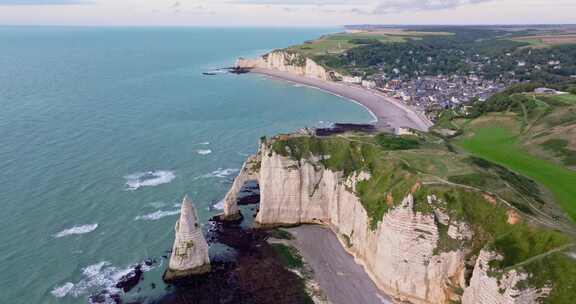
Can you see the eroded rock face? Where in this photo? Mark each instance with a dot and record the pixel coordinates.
(288, 62)
(190, 251)
(491, 290)
(401, 253)
(250, 172)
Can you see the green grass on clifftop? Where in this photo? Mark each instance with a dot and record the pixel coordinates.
(470, 190)
(499, 145)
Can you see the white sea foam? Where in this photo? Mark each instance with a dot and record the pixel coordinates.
(96, 278)
(157, 205)
(63, 290)
(204, 143)
(204, 152)
(157, 215)
(220, 173)
(324, 124)
(76, 230)
(219, 205)
(149, 179)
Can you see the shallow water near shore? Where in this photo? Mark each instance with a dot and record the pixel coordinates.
(103, 130)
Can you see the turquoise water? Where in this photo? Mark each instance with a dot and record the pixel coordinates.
(103, 130)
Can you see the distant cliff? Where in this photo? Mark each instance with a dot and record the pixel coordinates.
(420, 237)
(291, 62)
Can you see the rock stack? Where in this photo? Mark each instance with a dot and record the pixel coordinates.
(190, 251)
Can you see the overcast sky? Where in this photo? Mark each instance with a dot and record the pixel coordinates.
(284, 12)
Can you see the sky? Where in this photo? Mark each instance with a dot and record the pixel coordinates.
(284, 12)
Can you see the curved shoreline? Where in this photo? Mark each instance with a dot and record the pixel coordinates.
(374, 117)
(387, 112)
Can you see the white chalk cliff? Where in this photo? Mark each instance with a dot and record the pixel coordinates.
(288, 62)
(190, 251)
(400, 254)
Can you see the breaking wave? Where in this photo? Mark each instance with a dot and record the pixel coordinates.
(99, 279)
(219, 205)
(157, 205)
(149, 179)
(204, 152)
(76, 230)
(220, 173)
(157, 215)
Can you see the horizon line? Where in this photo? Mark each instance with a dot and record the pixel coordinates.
(288, 26)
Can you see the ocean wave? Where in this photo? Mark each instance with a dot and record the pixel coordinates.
(204, 143)
(99, 279)
(204, 152)
(218, 205)
(221, 173)
(157, 205)
(149, 179)
(324, 124)
(76, 230)
(63, 290)
(157, 215)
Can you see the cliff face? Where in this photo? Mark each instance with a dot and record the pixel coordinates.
(401, 253)
(288, 62)
(486, 289)
(190, 251)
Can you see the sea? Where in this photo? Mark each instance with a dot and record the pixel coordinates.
(103, 130)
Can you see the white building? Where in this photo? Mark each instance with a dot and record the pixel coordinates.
(352, 79)
(368, 84)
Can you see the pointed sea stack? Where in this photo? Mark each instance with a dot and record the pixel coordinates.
(190, 251)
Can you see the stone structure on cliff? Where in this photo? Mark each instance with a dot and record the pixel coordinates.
(400, 253)
(190, 251)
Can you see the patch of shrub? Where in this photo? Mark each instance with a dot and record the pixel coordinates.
(392, 142)
(559, 147)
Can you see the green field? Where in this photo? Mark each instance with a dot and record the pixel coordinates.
(499, 145)
(338, 43)
(341, 42)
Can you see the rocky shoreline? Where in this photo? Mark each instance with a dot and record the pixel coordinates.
(249, 271)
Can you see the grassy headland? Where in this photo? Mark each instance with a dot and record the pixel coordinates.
(469, 189)
(530, 134)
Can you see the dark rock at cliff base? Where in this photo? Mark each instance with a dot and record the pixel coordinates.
(250, 199)
(255, 276)
(239, 70)
(340, 128)
(249, 194)
(130, 280)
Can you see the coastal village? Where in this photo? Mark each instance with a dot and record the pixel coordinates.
(432, 94)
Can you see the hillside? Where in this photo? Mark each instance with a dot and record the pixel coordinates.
(423, 201)
(540, 53)
(532, 134)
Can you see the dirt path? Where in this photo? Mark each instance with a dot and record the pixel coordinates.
(340, 278)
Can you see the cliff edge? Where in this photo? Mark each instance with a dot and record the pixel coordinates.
(291, 62)
(415, 216)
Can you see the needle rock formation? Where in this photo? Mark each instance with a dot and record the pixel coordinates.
(190, 251)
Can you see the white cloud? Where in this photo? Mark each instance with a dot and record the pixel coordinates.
(285, 12)
(374, 6)
(43, 2)
(394, 6)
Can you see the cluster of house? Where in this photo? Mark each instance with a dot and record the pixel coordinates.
(554, 64)
(431, 94)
